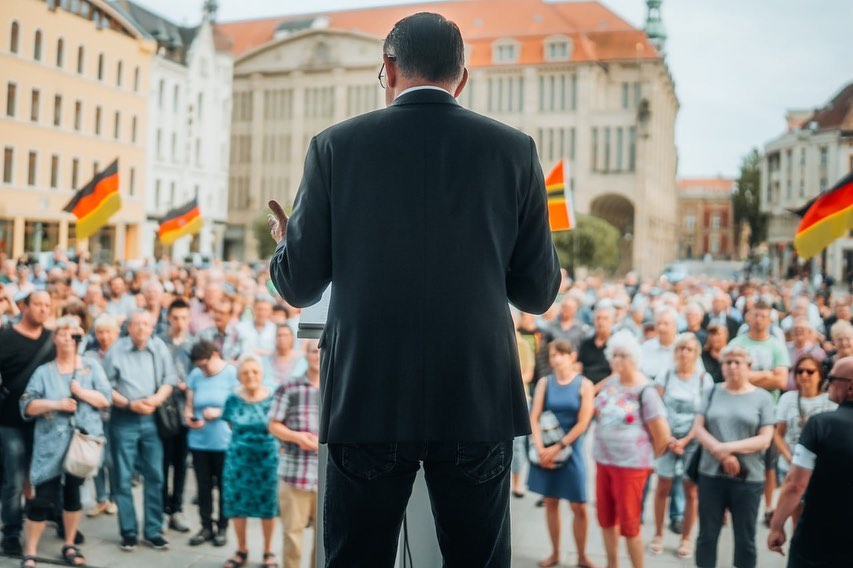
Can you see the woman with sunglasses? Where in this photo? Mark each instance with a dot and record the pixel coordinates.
(794, 410)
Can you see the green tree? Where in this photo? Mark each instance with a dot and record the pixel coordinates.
(747, 197)
(597, 244)
(266, 246)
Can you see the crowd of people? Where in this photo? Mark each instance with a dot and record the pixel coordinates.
(705, 385)
(163, 367)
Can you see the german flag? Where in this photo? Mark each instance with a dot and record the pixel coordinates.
(95, 203)
(179, 222)
(825, 218)
(561, 209)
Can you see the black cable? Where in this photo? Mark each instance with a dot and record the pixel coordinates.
(407, 551)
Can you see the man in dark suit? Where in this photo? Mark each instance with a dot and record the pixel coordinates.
(414, 212)
(720, 306)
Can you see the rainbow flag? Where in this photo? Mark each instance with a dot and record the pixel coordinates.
(179, 222)
(96, 202)
(561, 207)
(825, 218)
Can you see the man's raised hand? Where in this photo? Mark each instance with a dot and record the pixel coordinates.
(277, 221)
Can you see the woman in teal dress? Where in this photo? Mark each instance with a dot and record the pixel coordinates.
(250, 481)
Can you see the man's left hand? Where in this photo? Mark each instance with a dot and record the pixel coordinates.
(776, 540)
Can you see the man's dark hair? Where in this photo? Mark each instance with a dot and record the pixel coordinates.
(427, 46)
(203, 349)
(281, 308)
(177, 304)
(762, 304)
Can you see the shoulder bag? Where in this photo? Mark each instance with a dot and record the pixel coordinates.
(169, 416)
(552, 433)
(85, 452)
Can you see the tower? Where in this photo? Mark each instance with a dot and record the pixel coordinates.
(654, 25)
(211, 7)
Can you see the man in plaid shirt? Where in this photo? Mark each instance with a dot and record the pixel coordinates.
(294, 421)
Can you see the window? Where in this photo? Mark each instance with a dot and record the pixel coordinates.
(824, 156)
(117, 125)
(637, 94)
(136, 79)
(625, 95)
(54, 171)
(118, 74)
(505, 51)
(160, 89)
(100, 67)
(802, 189)
(94, 168)
(31, 169)
(80, 60)
(13, 37)
(37, 46)
(715, 221)
(574, 92)
(78, 115)
(619, 149)
(594, 149)
(174, 147)
(132, 186)
(60, 52)
(159, 147)
(34, 106)
(201, 102)
(75, 172)
(8, 163)
(802, 157)
(558, 49)
(172, 194)
(57, 110)
(97, 120)
(572, 143)
(690, 222)
(632, 148)
(175, 98)
(11, 92)
(157, 194)
(715, 244)
(607, 149)
(789, 191)
(133, 130)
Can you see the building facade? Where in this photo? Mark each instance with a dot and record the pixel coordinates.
(706, 214)
(74, 77)
(586, 85)
(813, 154)
(189, 118)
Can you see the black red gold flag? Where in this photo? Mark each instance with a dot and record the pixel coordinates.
(96, 202)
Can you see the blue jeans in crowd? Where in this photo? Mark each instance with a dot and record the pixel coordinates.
(368, 487)
(102, 495)
(135, 445)
(742, 498)
(16, 447)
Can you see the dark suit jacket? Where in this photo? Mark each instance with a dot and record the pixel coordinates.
(427, 219)
(732, 325)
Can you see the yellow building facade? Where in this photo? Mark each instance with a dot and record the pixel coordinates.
(74, 82)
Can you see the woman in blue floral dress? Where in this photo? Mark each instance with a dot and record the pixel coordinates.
(250, 482)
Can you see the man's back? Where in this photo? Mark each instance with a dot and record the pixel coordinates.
(415, 212)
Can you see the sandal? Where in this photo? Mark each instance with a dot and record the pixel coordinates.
(656, 545)
(72, 556)
(239, 559)
(28, 562)
(685, 549)
(269, 561)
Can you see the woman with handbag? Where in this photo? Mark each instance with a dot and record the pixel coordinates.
(734, 429)
(64, 397)
(630, 431)
(561, 412)
(681, 388)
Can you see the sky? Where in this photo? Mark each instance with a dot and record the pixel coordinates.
(738, 65)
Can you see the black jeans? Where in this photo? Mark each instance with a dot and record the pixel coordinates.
(175, 452)
(208, 474)
(742, 498)
(48, 494)
(368, 488)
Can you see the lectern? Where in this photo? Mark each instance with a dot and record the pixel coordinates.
(422, 542)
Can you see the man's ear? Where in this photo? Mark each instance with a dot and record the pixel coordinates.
(462, 83)
(390, 72)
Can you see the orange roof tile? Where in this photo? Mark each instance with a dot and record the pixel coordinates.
(706, 185)
(597, 33)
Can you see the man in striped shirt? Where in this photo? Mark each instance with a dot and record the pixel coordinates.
(293, 419)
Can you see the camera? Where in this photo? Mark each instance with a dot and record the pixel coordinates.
(77, 337)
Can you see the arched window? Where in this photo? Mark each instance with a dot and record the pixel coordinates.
(100, 66)
(37, 46)
(13, 38)
(80, 59)
(60, 52)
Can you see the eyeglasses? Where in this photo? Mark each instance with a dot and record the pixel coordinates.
(381, 76)
(733, 363)
(808, 372)
(684, 348)
(832, 378)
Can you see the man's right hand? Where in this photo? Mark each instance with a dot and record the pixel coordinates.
(277, 221)
(66, 405)
(142, 407)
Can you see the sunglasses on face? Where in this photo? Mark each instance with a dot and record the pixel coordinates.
(832, 378)
(808, 372)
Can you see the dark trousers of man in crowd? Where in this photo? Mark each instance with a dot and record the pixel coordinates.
(369, 485)
(742, 498)
(175, 452)
(208, 471)
(16, 448)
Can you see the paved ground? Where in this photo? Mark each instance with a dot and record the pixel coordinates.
(530, 544)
